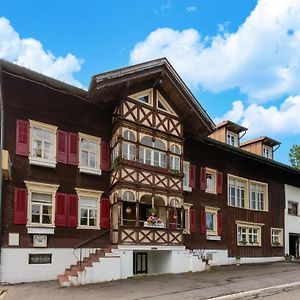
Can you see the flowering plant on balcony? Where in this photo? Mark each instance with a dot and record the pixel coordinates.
(152, 219)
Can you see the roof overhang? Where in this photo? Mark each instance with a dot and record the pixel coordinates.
(264, 140)
(109, 87)
(231, 126)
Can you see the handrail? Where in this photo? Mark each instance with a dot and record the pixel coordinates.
(91, 239)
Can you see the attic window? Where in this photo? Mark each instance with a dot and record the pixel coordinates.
(144, 99)
(232, 139)
(161, 106)
(267, 152)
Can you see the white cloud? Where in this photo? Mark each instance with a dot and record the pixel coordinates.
(262, 58)
(163, 9)
(30, 53)
(266, 120)
(191, 9)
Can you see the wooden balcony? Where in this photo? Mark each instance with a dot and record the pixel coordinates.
(139, 235)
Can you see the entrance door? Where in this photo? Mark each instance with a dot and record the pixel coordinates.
(294, 245)
(140, 263)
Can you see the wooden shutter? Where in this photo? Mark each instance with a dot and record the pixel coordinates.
(61, 210)
(192, 176)
(105, 157)
(73, 149)
(20, 206)
(219, 182)
(203, 179)
(72, 211)
(193, 224)
(104, 213)
(22, 138)
(62, 147)
(220, 223)
(203, 221)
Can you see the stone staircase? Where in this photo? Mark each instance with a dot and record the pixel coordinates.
(101, 265)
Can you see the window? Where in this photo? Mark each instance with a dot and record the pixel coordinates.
(88, 208)
(175, 159)
(144, 96)
(277, 237)
(88, 211)
(42, 144)
(267, 152)
(232, 139)
(41, 203)
(292, 208)
(128, 145)
(152, 156)
(186, 176)
(186, 218)
(89, 154)
(237, 188)
(211, 220)
(128, 196)
(210, 181)
(162, 104)
(249, 235)
(258, 194)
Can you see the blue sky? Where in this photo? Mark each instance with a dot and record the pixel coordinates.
(240, 58)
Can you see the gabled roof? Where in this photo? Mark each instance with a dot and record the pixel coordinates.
(232, 126)
(263, 139)
(107, 87)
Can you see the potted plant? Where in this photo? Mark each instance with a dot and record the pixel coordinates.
(237, 260)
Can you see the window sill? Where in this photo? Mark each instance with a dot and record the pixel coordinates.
(90, 171)
(40, 229)
(211, 192)
(43, 163)
(213, 237)
(249, 245)
(277, 246)
(187, 189)
(87, 227)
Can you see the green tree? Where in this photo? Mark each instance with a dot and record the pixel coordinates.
(295, 156)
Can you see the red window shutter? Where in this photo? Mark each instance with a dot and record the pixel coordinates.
(72, 211)
(104, 213)
(219, 182)
(22, 138)
(220, 223)
(192, 176)
(203, 179)
(62, 146)
(73, 149)
(203, 221)
(193, 225)
(104, 159)
(20, 206)
(61, 210)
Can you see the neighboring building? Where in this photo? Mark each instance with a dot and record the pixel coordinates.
(292, 220)
(125, 173)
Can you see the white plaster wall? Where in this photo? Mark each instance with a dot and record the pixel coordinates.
(15, 268)
(220, 257)
(126, 263)
(159, 262)
(253, 260)
(181, 261)
(292, 223)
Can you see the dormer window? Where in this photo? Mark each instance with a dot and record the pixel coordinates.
(145, 99)
(232, 139)
(267, 152)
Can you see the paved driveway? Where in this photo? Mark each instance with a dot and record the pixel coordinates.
(216, 282)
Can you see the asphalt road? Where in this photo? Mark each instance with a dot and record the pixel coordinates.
(218, 282)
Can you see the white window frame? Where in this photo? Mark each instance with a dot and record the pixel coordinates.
(214, 212)
(233, 135)
(187, 224)
(186, 165)
(165, 104)
(174, 160)
(270, 151)
(293, 202)
(237, 191)
(142, 153)
(148, 92)
(279, 235)
(249, 226)
(87, 169)
(213, 173)
(91, 194)
(39, 161)
(264, 187)
(41, 188)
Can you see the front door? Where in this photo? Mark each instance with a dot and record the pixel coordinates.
(294, 245)
(140, 263)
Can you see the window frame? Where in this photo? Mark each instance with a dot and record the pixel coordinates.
(97, 141)
(212, 172)
(40, 188)
(214, 211)
(266, 195)
(186, 222)
(280, 237)
(91, 194)
(148, 92)
(186, 164)
(246, 196)
(51, 163)
(248, 227)
(265, 147)
(235, 136)
(293, 203)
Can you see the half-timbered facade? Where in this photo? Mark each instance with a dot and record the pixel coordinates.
(123, 179)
